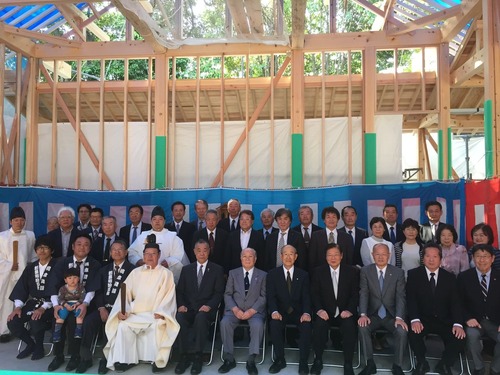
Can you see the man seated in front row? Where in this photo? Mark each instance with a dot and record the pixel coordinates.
(147, 329)
(289, 302)
(434, 307)
(245, 300)
(382, 305)
(479, 289)
(199, 292)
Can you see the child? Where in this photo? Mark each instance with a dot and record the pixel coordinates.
(70, 296)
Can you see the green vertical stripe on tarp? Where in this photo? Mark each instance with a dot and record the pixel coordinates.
(450, 164)
(370, 158)
(488, 137)
(440, 155)
(297, 160)
(160, 162)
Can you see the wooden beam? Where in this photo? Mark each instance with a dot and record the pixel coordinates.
(254, 14)
(238, 15)
(471, 68)
(427, 20)
(377, 11)
(17, 43)
(298, 23)
(47, 38)
(251, 123)
(92, 27)
(69, 15)
(429, 120)
(470, 9)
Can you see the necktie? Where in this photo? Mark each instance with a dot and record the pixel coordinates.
(281, 243)
(247, 283)
(330, 238)
(393, 236)
(200, 275)
(134, 235)
(289, 282)
(116, 273)
(307, 238)
(96, 233)
(211, 241)
(352, 237)
(177, 227)
(200, 225)
(79, 267)
(335, 291)
(381, 311)
(266, 233)
(433, 282)
(233, 224)
(106, 249)
(484, 287)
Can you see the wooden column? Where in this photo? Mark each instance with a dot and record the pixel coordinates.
(368, 116)
(161, 121)
(444, 139)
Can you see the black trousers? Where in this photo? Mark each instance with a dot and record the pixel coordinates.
(348, 332)
(277, 328)
(199, 322)
(37, 327)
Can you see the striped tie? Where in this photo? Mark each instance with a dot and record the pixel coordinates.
(484, 287)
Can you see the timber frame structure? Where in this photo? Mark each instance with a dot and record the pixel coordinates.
(464, 36)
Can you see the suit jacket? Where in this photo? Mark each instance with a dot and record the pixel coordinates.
(359, 235)
(226, 224)
(186, 232)
(90, 231)
(426, 232)
(313, 228)
(97, 250)
(318, 244)
(196, 224)
(56, 237)
(272, 230)
(295, 239)
(323, 297)
(125, 231)
(233, 249)
(398, 231)
(472, 298)
(103, 296)
(209, 293)
(443, 305)
(392, 295)
(218, 252)
(278, 298)
(235, 291)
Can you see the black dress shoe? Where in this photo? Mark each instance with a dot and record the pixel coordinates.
(348, 370)
(197, 365)
(157, 370)
(277, 366)
(397, 370)
(421, 368)
(26, 352)
(303, 368)
(103, 368)
(122, 367)
(56, 363)
(38, 353)
(182, 366)
(83, 366)
(5, 338)
(443, 368)
(73, 363)
(251, 368)
(227, 366)
(317, 367)
(370, 368)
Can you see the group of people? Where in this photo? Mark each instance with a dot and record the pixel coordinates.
(159, 284)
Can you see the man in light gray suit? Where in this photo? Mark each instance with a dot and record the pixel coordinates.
(245, 300)
(382, 305)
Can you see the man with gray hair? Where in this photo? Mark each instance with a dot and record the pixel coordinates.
(101, 247)
(245, 301)
(267, 220)
(64, 236)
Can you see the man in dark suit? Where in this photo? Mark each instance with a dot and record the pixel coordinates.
(349, 217)
(240, 239)
(89, 269)
(267, 220)
(131, 231)
(244, 300)
(289, 302)
(231, 222)
(199, 293)
(382, 305)
(183, 229)
(306, 226)
(433, 210)
(83, 211)
(434, 307)
(201, 208)
(217, 239)
(63, 237)
(479, 290)
(109, 279)
(320, 239)
(284, 236)
(94, 229)
(101, 247)
(335, 303)
(394, 232)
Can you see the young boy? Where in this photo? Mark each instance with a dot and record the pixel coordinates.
(70, 296)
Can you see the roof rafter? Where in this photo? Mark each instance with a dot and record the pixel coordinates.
(427, 20)
(470, 9)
